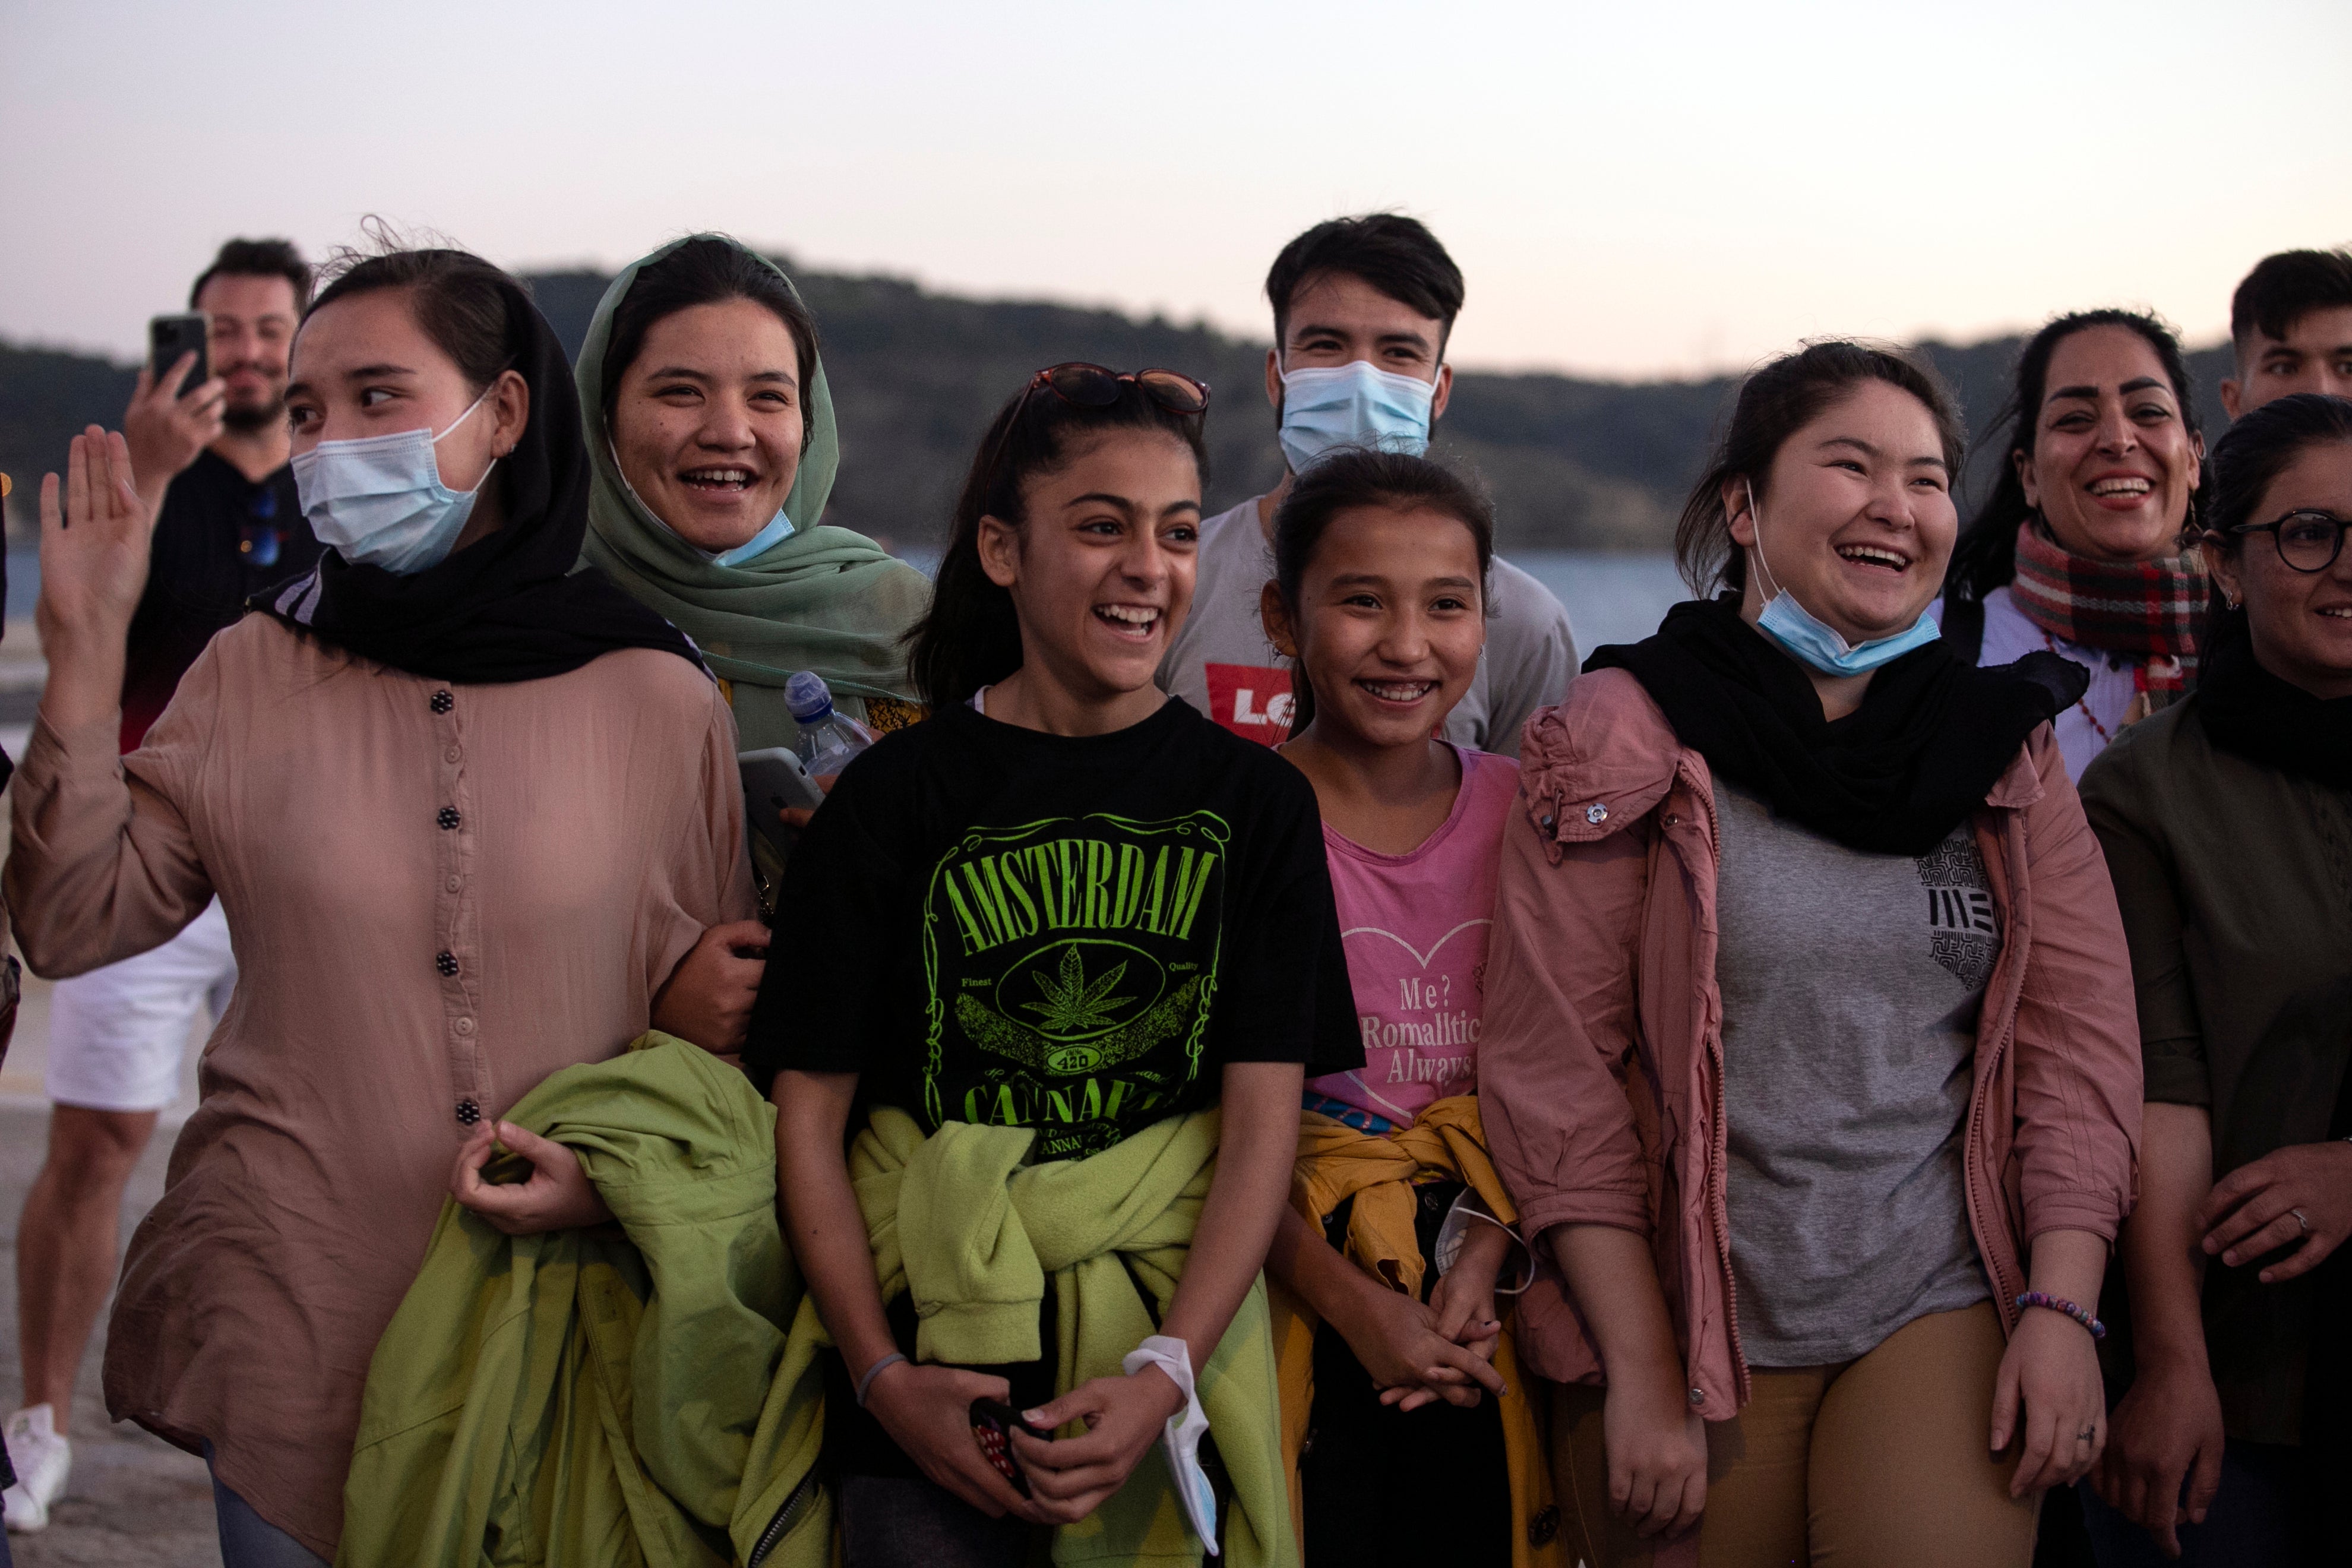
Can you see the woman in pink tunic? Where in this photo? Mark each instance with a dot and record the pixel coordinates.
(466, 811)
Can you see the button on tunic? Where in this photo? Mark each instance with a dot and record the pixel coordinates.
(437, 898)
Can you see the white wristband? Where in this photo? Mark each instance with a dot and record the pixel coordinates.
(1179, 1441)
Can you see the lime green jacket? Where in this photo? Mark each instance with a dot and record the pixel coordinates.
(588, 1397)
(960, 1222)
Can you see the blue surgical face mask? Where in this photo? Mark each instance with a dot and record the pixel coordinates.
(779, 528)
(379, 501)
(1804, 634)
(1354, 405)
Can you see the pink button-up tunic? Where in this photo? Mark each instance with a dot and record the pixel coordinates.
(438, 896)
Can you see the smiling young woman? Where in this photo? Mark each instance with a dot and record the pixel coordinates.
(1057, 943)
(711, 428)
(2084, 547)
(2224, 820)
(465, 807)
(1819, 1305)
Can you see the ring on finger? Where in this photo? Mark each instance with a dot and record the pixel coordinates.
(2301, 1219)
(2087, 1434)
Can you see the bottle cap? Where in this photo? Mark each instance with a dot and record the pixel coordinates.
(808, 697)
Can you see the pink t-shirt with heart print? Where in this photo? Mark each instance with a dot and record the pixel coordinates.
(1415, 928)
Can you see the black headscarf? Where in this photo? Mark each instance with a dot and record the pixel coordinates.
(2253, 714)
(507, 606)
(1932, 737)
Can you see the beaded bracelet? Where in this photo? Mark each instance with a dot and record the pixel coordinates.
(2060, 1304)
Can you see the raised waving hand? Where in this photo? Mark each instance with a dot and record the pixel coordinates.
(95, 531)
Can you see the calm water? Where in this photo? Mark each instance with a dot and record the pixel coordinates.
(1609, 599)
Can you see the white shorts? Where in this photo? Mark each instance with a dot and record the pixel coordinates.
(116, 1034)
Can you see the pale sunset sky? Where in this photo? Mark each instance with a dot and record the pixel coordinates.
(1631, 190)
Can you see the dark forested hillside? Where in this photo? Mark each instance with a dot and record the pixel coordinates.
(1573, 463)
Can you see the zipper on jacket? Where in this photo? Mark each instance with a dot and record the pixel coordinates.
(2005, 1291)
(1719, 1142)
(795, 1505)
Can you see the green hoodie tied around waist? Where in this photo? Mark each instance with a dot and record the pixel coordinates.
(589, 1398)
(960, 1222)
(826, 599)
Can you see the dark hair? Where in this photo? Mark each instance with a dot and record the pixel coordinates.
(2284, 289)
(705, 270)
(1357, 477)
(1774, 404)
(971, 636)
(2258, 446)
(1394, 254)
(477, 315)
(258, 258)
(460, 301)
(1986, 556)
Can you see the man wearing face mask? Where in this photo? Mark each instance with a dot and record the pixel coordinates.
(212, 459)
(1362, 308)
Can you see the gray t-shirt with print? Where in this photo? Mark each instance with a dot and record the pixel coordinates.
(1851, 984)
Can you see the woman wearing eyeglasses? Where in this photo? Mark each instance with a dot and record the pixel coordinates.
(2082, 549)
(1060, 958)
(711, 430)
(2227, 821)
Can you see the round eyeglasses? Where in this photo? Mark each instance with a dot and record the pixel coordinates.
(2308, 540)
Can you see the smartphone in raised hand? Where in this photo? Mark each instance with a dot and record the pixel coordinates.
(169, 337)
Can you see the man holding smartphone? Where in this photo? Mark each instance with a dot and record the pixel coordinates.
(211, 461)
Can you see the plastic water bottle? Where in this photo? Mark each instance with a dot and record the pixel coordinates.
(827, 740)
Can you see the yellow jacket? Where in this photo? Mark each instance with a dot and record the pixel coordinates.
(1336, 1162)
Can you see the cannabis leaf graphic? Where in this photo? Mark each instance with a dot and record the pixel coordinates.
(1072, 1006)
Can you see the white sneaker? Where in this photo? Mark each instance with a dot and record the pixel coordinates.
(42, 1459)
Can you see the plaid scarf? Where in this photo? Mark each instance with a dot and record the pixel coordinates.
(2147, 607)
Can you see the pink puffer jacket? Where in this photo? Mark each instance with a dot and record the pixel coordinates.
(1600, 1069)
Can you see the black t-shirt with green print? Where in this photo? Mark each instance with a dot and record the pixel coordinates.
(993, 924)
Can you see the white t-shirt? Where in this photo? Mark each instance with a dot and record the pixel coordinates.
(1222, 664)
(2083, 730)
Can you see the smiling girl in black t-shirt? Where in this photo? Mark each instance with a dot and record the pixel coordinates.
(1068, 904)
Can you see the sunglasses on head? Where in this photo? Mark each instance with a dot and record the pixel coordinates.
(1084, 386)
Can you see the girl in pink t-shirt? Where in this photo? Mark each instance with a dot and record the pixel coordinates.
(1387, 1268)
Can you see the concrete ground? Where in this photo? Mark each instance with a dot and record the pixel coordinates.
(133, 1500)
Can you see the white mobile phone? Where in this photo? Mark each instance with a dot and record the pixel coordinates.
(773, 779)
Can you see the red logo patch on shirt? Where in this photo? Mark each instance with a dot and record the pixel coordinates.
(1250, 700)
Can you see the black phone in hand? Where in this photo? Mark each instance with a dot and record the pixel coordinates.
(992, 1425)
(169, 337)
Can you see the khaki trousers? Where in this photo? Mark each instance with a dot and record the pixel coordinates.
(1878, 1462)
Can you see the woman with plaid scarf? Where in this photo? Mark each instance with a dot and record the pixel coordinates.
(2081, 548)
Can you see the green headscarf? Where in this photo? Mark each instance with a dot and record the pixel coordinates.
(824, 599)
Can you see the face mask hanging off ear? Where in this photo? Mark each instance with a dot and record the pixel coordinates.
(779, 528)
(1814, 642)
(378, 501)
